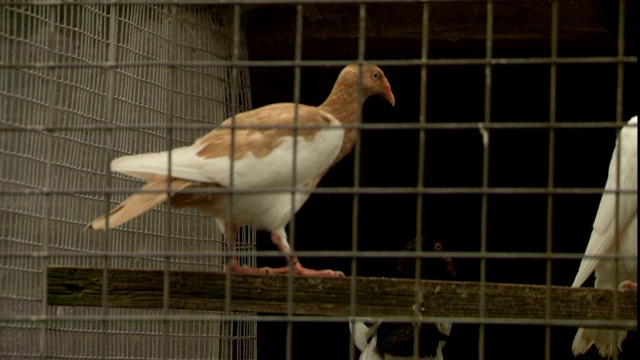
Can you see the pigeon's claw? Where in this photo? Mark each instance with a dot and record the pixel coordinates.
(628, 285)
(237, 269)
(299, 270)
(325, 273)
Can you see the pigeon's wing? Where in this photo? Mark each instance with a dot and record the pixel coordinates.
(603, 235)
(616, 220)
(259, 150)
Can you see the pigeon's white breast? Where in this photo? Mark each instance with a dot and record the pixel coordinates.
(265, 211)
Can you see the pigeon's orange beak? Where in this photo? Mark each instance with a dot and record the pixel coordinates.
(388, 94)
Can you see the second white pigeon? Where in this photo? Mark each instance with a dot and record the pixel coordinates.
(615, 230)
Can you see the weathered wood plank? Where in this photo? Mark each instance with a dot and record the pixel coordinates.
(334, 28)
(376, 297)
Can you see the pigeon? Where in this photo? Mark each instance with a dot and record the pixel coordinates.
(251, 151)
(379, 340)
(604, 239)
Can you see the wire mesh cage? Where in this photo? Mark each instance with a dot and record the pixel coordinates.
(495, 155)
(55, 138)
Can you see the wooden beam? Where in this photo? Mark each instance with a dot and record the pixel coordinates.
(453, 26)
(376, 297)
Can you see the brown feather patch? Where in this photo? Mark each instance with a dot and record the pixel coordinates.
(197, 199)
(261, 141)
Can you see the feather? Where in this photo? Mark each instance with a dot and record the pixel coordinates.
(615, 231)
(150, 195)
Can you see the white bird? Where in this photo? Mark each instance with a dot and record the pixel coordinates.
(257, 154)
(380, 340)
(615, 231)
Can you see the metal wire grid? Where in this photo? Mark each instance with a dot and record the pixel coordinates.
(485, 128)
(126, 98)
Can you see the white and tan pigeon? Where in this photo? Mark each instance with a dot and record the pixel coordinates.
(259, 156)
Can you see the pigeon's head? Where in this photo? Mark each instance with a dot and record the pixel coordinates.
(437, 246)
(373, 81)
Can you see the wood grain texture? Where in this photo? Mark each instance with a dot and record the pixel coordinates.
(376, 297)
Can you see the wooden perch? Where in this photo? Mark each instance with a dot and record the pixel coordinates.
(376, 297)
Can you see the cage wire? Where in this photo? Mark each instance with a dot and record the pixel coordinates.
(137, 102)
(65, 120)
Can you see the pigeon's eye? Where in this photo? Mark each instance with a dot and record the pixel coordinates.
(375, 75)
(437, 246)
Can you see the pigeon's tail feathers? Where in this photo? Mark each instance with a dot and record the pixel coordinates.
(151, 195)
(371, 352)
(444, 328)
(184, 161)
(365, 338)
(608, 342)
(598, 245)
(439, 351)
(359, 332)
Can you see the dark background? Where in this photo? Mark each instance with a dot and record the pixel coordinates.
(518, 158)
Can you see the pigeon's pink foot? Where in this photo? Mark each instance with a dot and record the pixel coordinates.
(237, 269)
(299, 270)
(303, 271)
(628, 285)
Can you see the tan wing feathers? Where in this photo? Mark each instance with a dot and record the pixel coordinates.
(197, 199)
(261, 140)
(138, 203)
